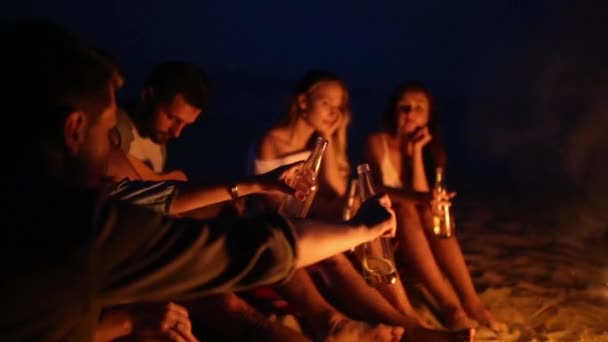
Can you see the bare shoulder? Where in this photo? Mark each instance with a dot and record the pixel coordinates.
(269, 146)
(373, 143)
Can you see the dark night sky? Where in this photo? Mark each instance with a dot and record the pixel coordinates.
(373, 44)
(519, 83)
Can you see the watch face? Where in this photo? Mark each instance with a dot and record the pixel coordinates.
(234, 192)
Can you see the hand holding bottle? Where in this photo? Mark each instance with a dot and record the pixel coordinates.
(443, 222)
(297, 206)
(376, 255)
(376, 214)
(443, 197)
(291, 179)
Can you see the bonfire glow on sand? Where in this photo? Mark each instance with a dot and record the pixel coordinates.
(545, 286)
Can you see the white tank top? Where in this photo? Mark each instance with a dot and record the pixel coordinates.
(390, 177)
(263, 166)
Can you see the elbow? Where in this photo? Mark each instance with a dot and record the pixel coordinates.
(175, 207)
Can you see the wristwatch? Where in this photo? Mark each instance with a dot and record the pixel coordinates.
(234, 192)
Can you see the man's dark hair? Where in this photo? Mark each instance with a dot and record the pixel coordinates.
(49, 73)
(178, 77)
(119, 75)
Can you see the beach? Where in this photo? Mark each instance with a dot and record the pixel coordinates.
(545, 283)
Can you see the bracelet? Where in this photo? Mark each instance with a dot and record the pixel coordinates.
(234, 192)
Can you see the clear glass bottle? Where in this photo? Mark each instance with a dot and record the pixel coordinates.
(352, 200)
(443, 222)
(376, 255)
(293, 207)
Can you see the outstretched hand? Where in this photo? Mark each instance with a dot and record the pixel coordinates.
(290, 179)
(376, 213)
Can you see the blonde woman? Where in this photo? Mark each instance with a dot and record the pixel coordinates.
(319, 107)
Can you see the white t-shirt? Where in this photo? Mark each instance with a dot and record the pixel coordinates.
(152, 154)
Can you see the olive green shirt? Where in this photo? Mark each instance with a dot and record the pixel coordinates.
(74, 256)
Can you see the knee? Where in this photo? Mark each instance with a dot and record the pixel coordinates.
(412, 216)
(336, 262)
(406, 210)
(231, 302)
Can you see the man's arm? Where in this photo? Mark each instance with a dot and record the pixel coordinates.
(139, 255)
(174, 198)
(154, 195)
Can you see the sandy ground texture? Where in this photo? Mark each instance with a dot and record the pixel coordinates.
(545, 283)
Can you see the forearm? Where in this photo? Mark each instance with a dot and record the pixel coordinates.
(193, 197)
(400, 195)
(318, 240)
(419, 181)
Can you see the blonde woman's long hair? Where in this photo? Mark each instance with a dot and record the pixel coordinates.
(306, 85)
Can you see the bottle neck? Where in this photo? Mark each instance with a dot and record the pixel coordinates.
(366, 185)
(352, 192)
(313, 162)
(439, 178)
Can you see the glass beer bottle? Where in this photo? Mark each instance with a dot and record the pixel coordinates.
(443, 222)
(293, 207)
(352, 200)
(376, 255)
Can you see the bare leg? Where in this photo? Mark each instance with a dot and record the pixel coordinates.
(303, 295)
(415, 247)
(230, 318)
(350, 290)
(449, 255)
(347, 286)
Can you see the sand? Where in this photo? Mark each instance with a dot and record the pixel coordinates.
(545, 282)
